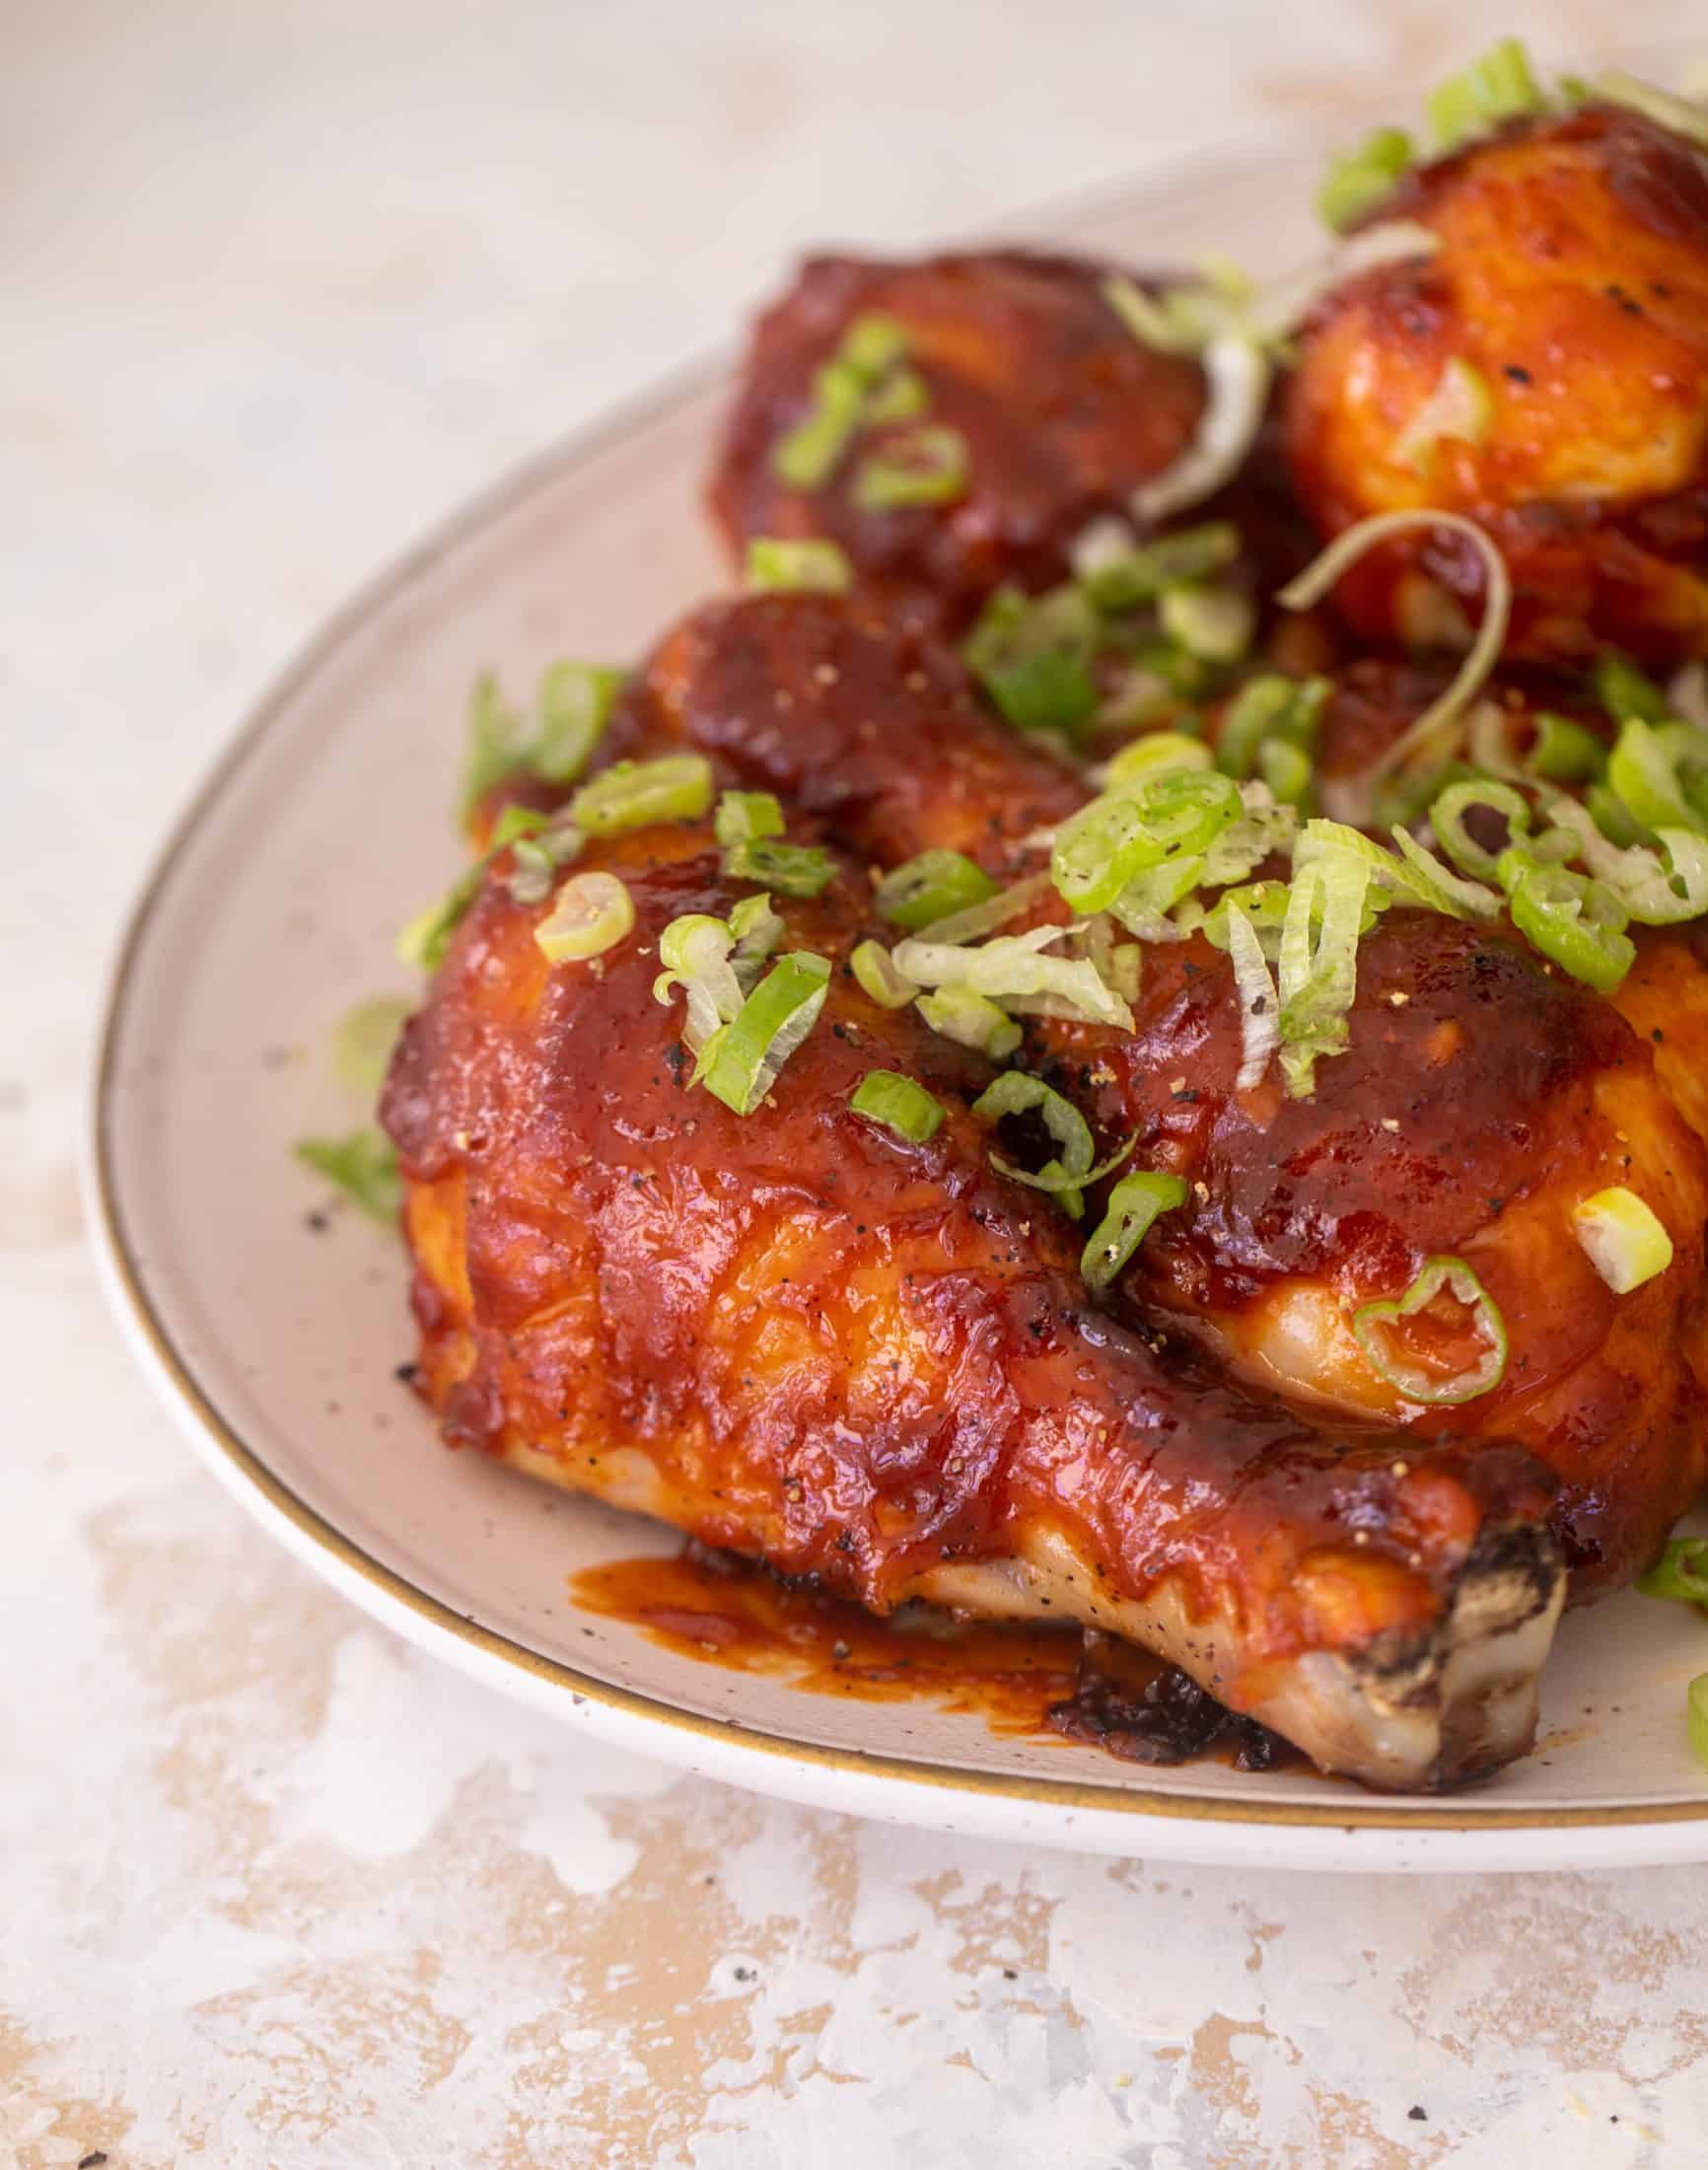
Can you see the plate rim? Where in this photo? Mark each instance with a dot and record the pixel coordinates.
(498, 1658)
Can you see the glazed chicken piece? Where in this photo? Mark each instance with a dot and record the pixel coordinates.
(1665, 996)
(1570, 280)
(802, 1338)
(1058, 410)
(1483, 1098)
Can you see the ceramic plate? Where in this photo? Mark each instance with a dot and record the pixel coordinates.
(273, 909)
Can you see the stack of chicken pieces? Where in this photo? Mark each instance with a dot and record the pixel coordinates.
(875, 1359)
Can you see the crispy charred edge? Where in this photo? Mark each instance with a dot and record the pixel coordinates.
(1412, 1713)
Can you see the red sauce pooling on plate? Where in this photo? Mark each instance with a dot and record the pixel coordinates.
(1021, 1679)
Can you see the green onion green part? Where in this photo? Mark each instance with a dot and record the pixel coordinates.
(971, 1021)
(900, 1104)
(777, 566)
(741, 1061)
(635, 794)
(574, 706)
(1134, 1205)
(1357, 181)
(928, 466)
(930, 887)
(363, 1166)
(878, 977)
(1681, 1573)
(1497, 87)
(363, 1040)
(1577, 923)
(1371, 1323)
(1565, 752)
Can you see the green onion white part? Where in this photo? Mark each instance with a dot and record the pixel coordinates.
(1624, 1238)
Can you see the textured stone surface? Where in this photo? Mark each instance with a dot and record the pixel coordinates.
(281, 286)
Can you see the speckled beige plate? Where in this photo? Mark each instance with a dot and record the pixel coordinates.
(273, 909)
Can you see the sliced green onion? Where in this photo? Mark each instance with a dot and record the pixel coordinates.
(1437, 719)
(740, 1063)
(1236, 379)
(1626, 1240)
(842, 390)
(1681, 1573)
(902, 396)
(575, 703)
(1357, 181)
(1680, 115)
(1033, 658)
(497, 736)
(1497, 86)
(1262, 829)
(1149, 756)
(1462, 405)
(995, 912)
(363, 1040)
(1643, 772)
(1625, 691)
(1171, 815)
(930, 887)
(1447, 817)
(1012, 972)
(425, 940)
(1259, 1005)
(538, 859)
(1575, 923)
(591, 913)
(900, 1104)
(1565, 752)
(1319, 974)
(1018, 1093)
(696, 952)
(1443, 890)
(1117, 573)
(929, 465)
(1418, 878)
(878, 977)
(1119, 964)
(1158, 323)
(1658, 887)
(1417, 1384)
(1270, 707)
(777, 566)
(1133, 1204)
(1287, 771)
(971, 1021)
(1215, 624)
(1143, 906)
(1613, 817)
(744, 816)
(363, 1165)
(1264, 904)
(758, 930)
(635, 794)
(794, 870)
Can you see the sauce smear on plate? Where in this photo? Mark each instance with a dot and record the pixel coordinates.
(1020, 1678)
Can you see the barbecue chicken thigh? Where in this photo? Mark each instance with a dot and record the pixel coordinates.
(1544, 371)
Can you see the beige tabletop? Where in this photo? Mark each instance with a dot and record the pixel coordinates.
(278, 286)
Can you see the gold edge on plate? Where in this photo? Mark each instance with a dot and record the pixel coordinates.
(1355, 1814)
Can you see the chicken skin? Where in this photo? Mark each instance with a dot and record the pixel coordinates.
(1483, 1096)
(1563, 319)
(1058, 410)
(803, 1338)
